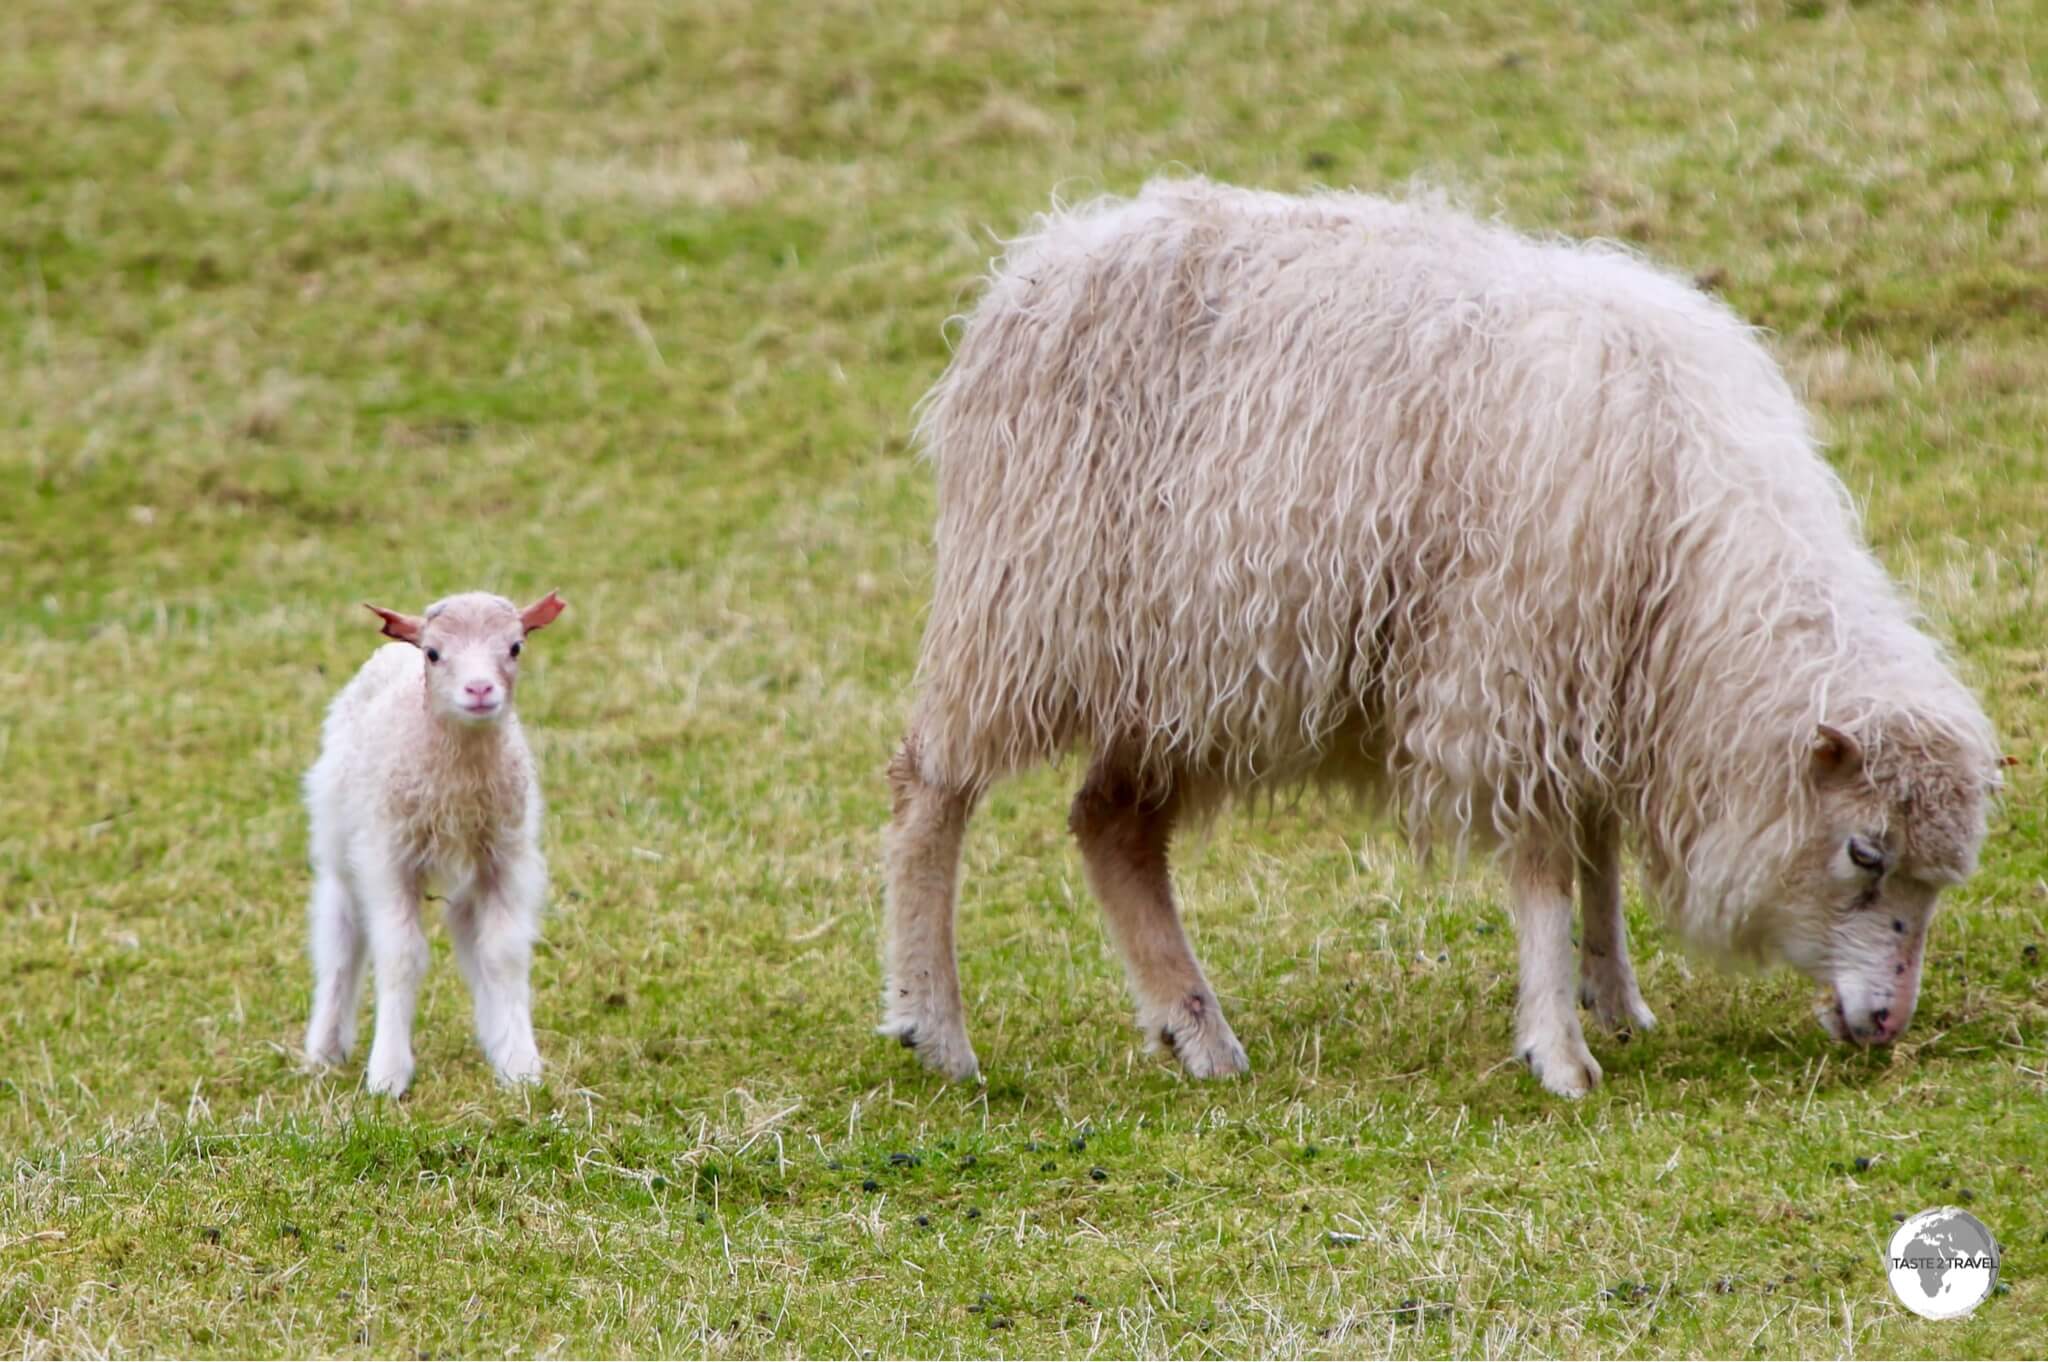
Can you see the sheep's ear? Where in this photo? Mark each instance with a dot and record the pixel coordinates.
(542, 612)
(404, 628)
(1836, 755)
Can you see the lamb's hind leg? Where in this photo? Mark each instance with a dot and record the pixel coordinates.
(1547, 1033)
(335, 930)
(1123, 836)
(1607, 982)
(921, 998)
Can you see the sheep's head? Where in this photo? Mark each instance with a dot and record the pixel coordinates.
(1889, 831)
(472, 644)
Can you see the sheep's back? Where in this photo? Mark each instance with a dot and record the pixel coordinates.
(1233, 480)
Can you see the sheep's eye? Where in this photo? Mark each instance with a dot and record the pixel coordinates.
(433, 654)
(1867, 854)
(515, 650)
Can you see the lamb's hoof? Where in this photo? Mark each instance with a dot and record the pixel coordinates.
(520, 1069)
(941, 1047)
(320, 1058)
(389, 1076)
(1617, 1004)
(1562, 1064)
(1194, 1029)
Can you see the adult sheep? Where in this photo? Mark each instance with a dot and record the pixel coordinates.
(1528, 539)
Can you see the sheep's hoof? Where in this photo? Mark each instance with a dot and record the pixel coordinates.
(1562, 1064)
(1617, 1004)
(942, 1048)
(1195, 1031)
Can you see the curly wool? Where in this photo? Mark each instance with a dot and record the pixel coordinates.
(1251, 489)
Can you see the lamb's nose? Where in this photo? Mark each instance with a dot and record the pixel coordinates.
(1881, 1019)
(480, 690)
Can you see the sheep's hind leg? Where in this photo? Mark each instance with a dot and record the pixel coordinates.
(398, 962)
(336, 939)
(1607, 981)
(921, 998)
(493, 929)
(1547, 1034)
(1123, 837)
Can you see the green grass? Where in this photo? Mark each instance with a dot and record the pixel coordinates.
(304, 302)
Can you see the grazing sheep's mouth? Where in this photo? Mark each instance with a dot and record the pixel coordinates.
(482, 711)
(1833, 1020)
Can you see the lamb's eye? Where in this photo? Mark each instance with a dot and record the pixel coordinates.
(433, 654)
(515, 650)
(1867, 854)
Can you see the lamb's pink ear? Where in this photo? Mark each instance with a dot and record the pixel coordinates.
(1994, 784)
(1836, 755)
(542, 612)
(404, 628)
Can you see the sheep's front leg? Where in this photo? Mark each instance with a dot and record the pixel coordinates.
(1607, 981)
(336, 937)
(493, 928)
(398, 962)
(1547, 1034)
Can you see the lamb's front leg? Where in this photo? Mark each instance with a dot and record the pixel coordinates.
(398, 963)
(493, 928)
(1547, 1034)
(1607, 981)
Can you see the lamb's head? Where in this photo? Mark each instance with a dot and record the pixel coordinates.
(472, 644)
(1895, 816)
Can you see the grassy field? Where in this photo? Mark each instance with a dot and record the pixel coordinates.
(304, 302)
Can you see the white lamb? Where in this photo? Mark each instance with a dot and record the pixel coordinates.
(424, 777)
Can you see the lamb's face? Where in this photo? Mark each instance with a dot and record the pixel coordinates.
(472, 646)
(1855, 902)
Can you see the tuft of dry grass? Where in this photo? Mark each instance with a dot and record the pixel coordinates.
(307, 303)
